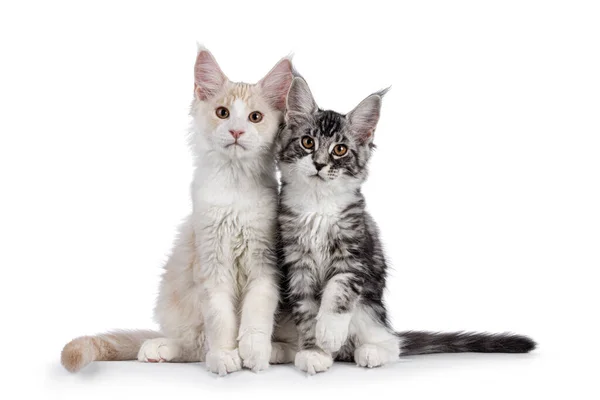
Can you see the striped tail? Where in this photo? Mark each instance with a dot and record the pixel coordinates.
(112, 346)
(414, 343)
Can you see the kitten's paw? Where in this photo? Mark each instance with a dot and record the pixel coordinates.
(282, 353)
(255, 350)
(313, 361)
(223, 362)
(158, 350)
(371, 356)
(331, 331)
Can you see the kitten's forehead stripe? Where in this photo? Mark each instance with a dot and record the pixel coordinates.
(239, 91)
(328, 123)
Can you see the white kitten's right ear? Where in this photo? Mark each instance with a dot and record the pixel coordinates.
(276, 83)
(208, 77)
(300, 101)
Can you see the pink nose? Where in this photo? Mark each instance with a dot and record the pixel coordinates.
(236, 134)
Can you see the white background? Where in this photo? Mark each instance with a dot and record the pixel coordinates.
(486, 182)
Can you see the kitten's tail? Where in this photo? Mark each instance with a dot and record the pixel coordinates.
(112, 346)
(414, 343)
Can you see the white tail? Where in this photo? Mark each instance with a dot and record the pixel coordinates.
(112, 346)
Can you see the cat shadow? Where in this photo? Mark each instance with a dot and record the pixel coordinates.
(341, 372)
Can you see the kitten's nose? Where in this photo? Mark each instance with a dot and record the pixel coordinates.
(236, 134)
(319, 166)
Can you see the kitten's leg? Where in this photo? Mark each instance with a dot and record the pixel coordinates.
(220, 321)
(260, 298)
(215, 278)
(304, 308)
(310, 358)
(337, 306)
(376, 344)
(256, 326)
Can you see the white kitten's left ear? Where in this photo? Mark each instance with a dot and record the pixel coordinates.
(276, 84)
(363, 119)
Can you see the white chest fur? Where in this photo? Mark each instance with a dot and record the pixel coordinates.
(319, 209)
(234, 218)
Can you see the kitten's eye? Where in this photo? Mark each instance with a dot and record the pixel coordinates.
(255, 116)
(222, 112)
(340, 150)
(308, 142)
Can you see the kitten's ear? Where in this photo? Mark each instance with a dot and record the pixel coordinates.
(363, 119)
(208, 77)
(276, 84)
(300, 101)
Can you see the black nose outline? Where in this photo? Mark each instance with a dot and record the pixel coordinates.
(319, 166)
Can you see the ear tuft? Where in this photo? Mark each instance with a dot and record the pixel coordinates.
(363, 119)
(383, 92)
(208, 77)
(276, 84)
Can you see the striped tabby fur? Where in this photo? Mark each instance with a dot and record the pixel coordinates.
(333, 264)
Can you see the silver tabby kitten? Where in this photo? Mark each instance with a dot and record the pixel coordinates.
(334, 269)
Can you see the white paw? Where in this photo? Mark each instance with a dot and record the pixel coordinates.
(223, 362)
(313, 361)
(370, 356)
(255, 350)
(331, 331)
(158, 350)
(282, 353)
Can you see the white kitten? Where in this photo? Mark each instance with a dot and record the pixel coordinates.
(219, 292)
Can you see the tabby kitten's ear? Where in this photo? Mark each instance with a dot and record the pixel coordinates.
(300, 101)
(363, 119)
(208, 77)
(276, 84)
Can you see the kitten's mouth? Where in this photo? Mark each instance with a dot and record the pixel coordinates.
(317, 176)
(235, 144)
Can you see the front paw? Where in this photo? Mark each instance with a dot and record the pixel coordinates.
(313, 361)
(223, 362)
(255, 350)
(331, 331)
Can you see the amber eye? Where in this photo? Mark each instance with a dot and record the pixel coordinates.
(222, 112)
(340, 150)
(255, 116)
(308, 142)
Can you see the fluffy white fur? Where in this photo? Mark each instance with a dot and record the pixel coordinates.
(219, 293)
